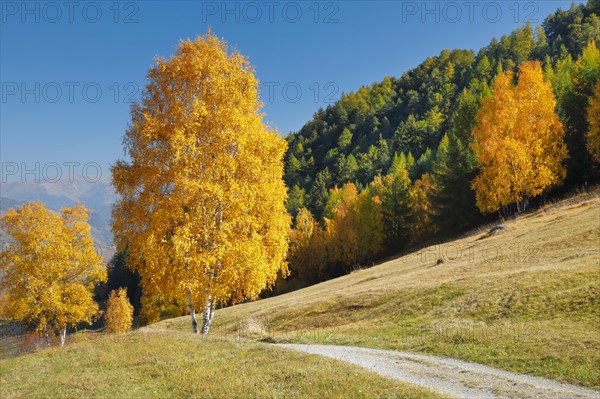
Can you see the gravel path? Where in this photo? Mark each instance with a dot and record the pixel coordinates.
(452, 377)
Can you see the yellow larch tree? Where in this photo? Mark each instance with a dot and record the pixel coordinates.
(518, 141)
(202, 196)
(308, 248)
(119, 312)
(342, 229)
(593, 117)
(370, 225)
(355, 231)
(50, 269)
(419, 192)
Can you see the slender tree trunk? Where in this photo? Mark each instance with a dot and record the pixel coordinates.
(192, 313)
(63, 336)
(209, 312)
(47, 335)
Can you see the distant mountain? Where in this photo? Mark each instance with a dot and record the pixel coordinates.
(97, 196)
(7, 203)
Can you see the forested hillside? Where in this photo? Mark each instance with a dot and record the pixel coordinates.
(397, 161)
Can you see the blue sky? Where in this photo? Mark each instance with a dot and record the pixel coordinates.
(69, 70)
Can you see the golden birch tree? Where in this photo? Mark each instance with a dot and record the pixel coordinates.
(202, 196)
(518, 141)
(50, 269)
(119, 312)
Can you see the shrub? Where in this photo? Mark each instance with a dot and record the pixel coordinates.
(119, 312)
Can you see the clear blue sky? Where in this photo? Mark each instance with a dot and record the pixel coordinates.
(54, 57)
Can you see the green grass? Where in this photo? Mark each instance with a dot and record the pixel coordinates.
(526, 300)
(176, 365)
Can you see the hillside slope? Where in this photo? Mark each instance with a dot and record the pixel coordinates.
(355, 139)
(525, 299)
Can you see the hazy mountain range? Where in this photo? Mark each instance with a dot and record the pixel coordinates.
(97, 196)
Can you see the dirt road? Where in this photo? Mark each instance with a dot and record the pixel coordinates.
(449, 376)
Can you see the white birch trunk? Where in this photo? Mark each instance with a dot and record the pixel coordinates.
(63, 336)
(209, 312)
(192, 313)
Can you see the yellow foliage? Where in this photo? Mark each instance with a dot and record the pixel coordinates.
(50, 269)
(370, 225)
(593, 117)
(421, 207)
(156, 307)
(308, 251)
(119, 312)
(355, 232)
(519, 140)
(202, 199)
(341, 229)
(3, 305)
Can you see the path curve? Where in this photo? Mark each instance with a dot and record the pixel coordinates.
(449, 376)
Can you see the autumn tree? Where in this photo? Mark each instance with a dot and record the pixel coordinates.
(119, 312)
(308, 248)
(355, 230)
(593, 114)
(202, 196)
(518, 141)
(156, 306)
(370, 225)
(342, 228)
(50, 269)
(421, 207)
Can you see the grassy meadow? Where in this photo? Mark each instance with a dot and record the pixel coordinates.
(159, 364)
(525, 299)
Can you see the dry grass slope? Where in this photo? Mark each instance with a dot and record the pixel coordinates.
(176, 365)
(525, 299)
